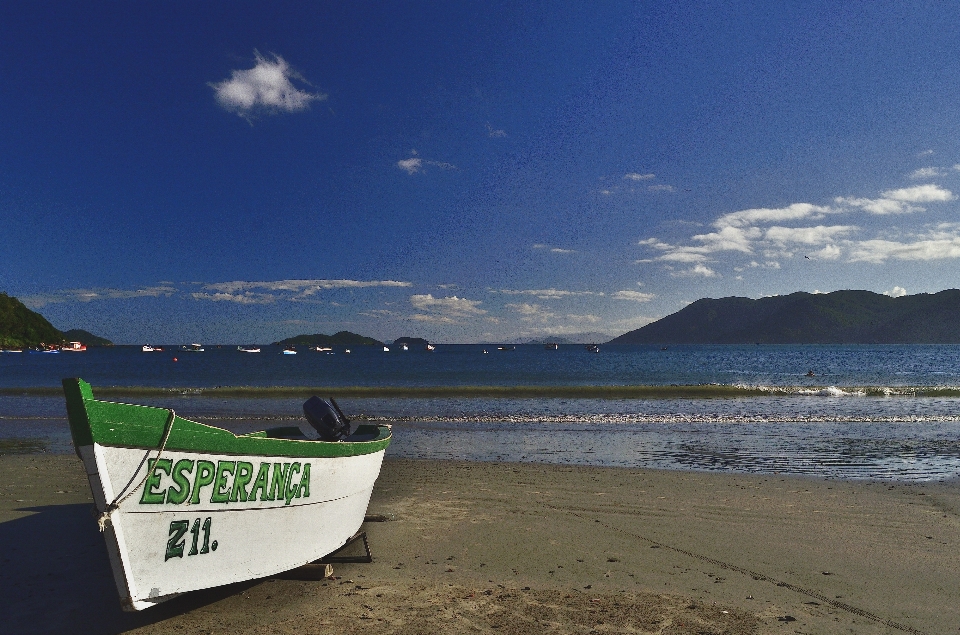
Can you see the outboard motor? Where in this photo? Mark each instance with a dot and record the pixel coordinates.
(327, 421)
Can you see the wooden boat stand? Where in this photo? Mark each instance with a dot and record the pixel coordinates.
(322, 569)
(333, 558)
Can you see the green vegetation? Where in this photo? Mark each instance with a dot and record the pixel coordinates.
(841, 317)
(85, 337)
(343, 338)
(20, 327)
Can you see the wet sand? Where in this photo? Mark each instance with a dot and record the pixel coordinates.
(526, 548)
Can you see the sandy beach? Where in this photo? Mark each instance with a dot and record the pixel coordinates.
(527, 548)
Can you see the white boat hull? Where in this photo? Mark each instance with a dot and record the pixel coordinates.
(161, 549)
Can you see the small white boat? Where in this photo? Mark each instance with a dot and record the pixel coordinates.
(323, 349)
(431, 347)
(289, 351)
(386, 349)
(193, 348)
(73, 347)
(248, 350)
(347, 351)
(146, 348)
(593, 348)
(551, 346)
(404, 347)
(186, 506)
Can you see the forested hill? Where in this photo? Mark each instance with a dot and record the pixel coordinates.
(343, 338)
(841, 317)
(19, 326)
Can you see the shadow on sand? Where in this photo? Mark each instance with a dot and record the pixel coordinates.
(55, 578)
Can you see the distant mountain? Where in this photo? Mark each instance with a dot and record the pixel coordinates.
(343, 338)
(20, 327)
(85, 337)
(841, 317)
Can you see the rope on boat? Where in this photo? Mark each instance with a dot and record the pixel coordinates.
(103, 520)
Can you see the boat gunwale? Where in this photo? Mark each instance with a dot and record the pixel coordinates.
(119, 424)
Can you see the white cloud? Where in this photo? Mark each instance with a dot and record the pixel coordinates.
(415, 164)
(547, 294)
(265, 88)
(925, 173)
(635, 176)
(95, 294)
(830, 252)
(807, 235)
(449, 307)
(531, 312)
(899, 201)
(411, 165)
(303, 287)
(635, 296)
(495, 133)
(896, 292)
(797, 211)
(878, 251)
(729, 239)
(238, 298)
(554, 250)
(697, 270)
(928, 193)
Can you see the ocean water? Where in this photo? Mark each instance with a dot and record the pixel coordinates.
(867, 412)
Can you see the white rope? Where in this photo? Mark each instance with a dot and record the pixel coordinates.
(103, 520)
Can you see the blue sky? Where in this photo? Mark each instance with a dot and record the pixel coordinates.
(469, 171)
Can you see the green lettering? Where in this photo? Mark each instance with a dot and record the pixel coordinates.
(260, 485)
(243, 476)
(175, 544)
(178, 493)
(279, 481)
(154, 466)
(292, 491)
(204, 477)
(305, 482)
(223, 468)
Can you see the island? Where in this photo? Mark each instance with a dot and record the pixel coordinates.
(411, 342)
(840, 317)
(22, 328)
(342, 338)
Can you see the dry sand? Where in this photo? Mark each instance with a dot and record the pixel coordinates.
(524, 548)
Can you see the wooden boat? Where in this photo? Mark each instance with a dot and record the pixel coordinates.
(186, 506)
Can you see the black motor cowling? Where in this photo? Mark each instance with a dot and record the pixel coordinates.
(326, 418)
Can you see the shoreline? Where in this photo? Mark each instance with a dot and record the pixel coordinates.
(574, 391)
(469, 541)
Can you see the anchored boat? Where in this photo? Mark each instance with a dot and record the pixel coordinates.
(186, 506)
